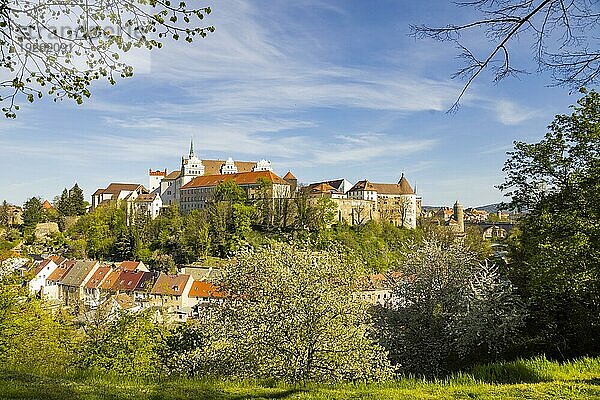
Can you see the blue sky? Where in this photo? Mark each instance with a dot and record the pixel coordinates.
(327, 89)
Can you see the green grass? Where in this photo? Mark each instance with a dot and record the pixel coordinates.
(524, 379)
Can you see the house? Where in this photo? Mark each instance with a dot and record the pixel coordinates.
(122, 302)
(205, 292)
(72, 285)
(197, 193)
(341, 185)
(377, 289)
(93, 294)
(141, 293)
(116, 192)
(40, 274)
(147, 204)
(170, 293)
(52, 291)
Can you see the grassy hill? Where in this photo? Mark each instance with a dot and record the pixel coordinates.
(527, 379)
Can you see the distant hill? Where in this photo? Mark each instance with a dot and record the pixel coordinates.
(491, 208)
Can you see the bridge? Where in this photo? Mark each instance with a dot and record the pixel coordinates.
(495, 229)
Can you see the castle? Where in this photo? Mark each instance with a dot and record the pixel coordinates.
(168, 185)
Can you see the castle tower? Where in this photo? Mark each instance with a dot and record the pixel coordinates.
(292, 180)
(154, 178)
(191, 167)
(459, 215)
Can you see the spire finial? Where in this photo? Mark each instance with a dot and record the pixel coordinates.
(191, 148)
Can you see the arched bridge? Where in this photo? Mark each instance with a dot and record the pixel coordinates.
(495, 229)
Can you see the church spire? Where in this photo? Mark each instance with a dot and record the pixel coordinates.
(191, 148)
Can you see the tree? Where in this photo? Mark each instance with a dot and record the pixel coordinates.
(62, 204)
(76, 201)
(289, 313)
(4, 216)
(562, 37)
(32, 213)
(61, 47)
(555, 258)
(450, 311)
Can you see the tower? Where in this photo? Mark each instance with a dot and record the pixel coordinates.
(191, 167)
(459, 215)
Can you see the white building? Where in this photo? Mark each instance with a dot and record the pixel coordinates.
(39, 285)
(147, 204)
(394, 202)
(169, 185)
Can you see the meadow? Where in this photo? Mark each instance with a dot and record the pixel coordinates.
(536, 378)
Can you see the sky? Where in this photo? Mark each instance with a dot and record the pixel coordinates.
(327, 89)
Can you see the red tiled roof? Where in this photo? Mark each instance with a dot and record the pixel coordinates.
(170, 285)
(110, 280)
(129, 265)
(128, 281)
(96, 279)
(61, 271)
(204, 289)
(241, 178)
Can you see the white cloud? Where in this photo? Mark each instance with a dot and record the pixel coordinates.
(511, 113)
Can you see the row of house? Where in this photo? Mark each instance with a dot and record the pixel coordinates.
(85, 284)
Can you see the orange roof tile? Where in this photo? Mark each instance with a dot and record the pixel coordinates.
(110, 280)
(129, 265)
(61, 271)
(241, 178)
(98, 277)
(204, 289)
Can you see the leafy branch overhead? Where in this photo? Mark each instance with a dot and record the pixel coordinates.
(562, 35)
(59, 47)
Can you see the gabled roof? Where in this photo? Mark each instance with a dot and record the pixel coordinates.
(61, 271)
(116, 188)
(204, 290)
(170, 285)
(400, 188)
(98, 277)
(130, 265)
(241, 178)
(213, 167)
(289, 176)
(318, 188)
(128, 281)
(110, 279)
(77, 274)
(46, 205)
(172, 175)
(42, 265)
